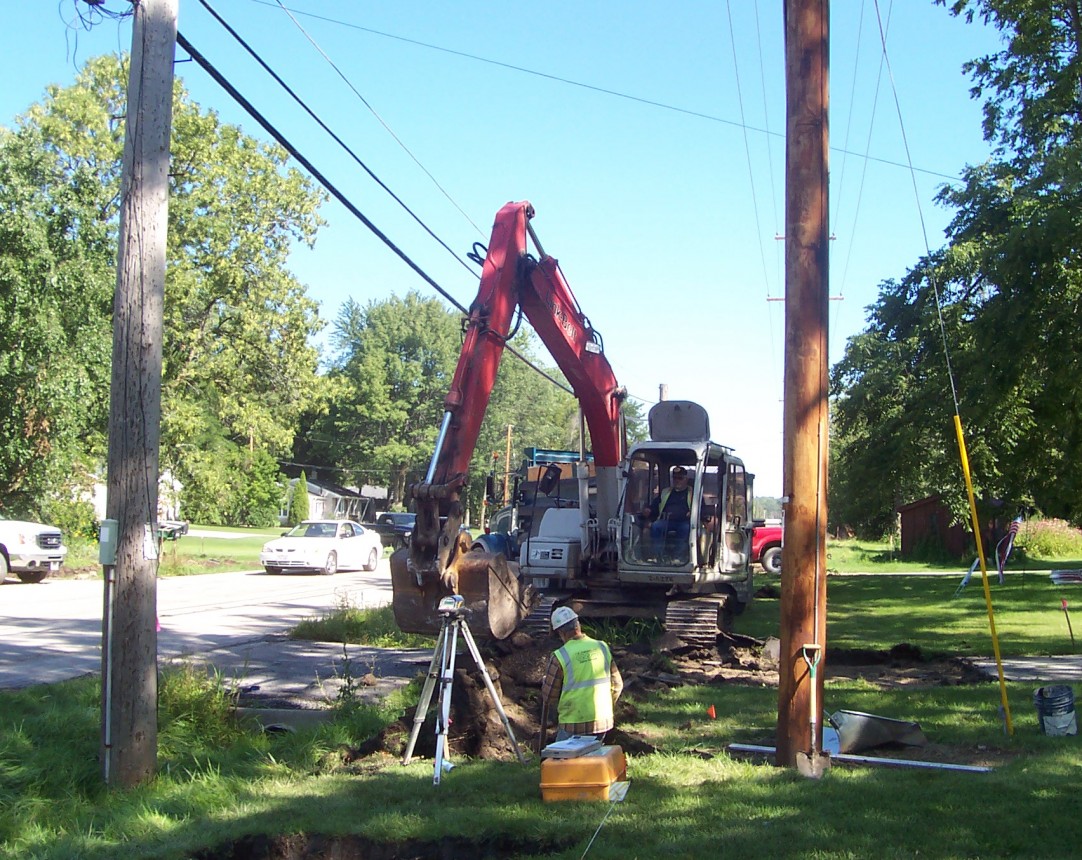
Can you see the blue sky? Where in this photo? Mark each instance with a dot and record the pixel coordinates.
(663, 215)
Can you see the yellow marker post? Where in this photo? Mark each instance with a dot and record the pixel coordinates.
(984, 570)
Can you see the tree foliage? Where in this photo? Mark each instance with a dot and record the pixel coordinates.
(395, 359)
(238, 366)
(1010, 290)
(299, 507)
(55, 302)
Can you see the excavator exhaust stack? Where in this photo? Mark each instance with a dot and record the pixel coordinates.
(495, 600)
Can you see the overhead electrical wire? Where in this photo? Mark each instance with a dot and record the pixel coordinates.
(766, 120)
(845, 161)
(747, 150)
(87, 16)
(849, 116)
(751, 177)
(779, 247)
(240, 40)
(582, 85)
(236, 95)
(375, 113)
(884, 29)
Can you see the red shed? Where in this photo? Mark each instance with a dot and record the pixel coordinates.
(927, 522)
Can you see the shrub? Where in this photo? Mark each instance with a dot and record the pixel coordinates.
(74, 517)
(1050, 539)
(298, 509)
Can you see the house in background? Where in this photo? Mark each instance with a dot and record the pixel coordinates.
(327, 501)
(169, 493)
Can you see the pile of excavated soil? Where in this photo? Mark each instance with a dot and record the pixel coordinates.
(517, 667)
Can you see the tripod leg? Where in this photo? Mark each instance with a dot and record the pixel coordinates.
(443, 711)
(426, 694)
(472, 645)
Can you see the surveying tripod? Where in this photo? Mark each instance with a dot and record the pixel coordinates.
(442, 667)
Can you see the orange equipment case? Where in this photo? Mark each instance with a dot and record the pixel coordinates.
(585, 777)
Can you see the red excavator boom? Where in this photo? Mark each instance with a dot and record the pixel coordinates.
(512, 280)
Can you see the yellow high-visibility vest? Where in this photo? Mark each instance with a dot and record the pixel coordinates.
(665, 498)
(586, 695)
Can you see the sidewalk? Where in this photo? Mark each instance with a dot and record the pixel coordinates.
(276, 671)
(1058, 669)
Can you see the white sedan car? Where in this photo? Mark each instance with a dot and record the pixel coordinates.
(323, 545)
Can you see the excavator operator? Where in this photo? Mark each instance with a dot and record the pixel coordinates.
(670, 516)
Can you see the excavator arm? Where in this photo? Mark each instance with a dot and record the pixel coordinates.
(436, 563)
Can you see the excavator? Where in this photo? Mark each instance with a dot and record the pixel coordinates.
(614, 554)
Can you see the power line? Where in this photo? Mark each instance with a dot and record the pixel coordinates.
(235, 94)
(375, 113)
(329, 131)
(747, 150)
(593, 88)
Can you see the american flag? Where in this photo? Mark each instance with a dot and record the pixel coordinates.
(1004, 547)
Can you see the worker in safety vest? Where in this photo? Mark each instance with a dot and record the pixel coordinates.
(582, 675)
(670, 515)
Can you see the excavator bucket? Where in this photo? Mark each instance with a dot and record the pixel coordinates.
(495, 602)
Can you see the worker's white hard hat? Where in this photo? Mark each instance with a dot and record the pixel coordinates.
(562, 615)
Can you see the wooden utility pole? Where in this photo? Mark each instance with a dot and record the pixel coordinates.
(804, 461)
(129, 733)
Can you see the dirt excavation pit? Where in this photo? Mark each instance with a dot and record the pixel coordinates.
(302, 846)
(517, 667)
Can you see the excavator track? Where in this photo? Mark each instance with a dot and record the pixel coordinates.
(697, 620)
(538, 622)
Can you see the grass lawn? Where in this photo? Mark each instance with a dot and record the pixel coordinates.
(882, 611)
(864, 556)
(220, 783)
(238, 549)
(229, 549)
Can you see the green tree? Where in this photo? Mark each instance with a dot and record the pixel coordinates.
(395, 361)
(393, 366)
(238, 366)
(257, 496)
(56, 283)
(1009, 284)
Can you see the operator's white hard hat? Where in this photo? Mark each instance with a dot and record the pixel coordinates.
(562, 615)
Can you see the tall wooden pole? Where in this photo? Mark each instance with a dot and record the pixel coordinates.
(129, 734)
(804, 461)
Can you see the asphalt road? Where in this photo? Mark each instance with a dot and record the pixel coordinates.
(51, 631)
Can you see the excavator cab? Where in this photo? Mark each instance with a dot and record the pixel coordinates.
(683, 518)
(658, 505)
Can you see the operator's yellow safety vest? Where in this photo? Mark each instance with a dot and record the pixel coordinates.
(586, 695)
(665, 498)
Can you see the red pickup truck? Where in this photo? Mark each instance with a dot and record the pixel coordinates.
(766, 546)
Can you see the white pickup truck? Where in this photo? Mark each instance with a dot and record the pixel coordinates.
(29, 550)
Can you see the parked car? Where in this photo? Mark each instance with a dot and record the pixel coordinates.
(30, 550)
(323, 545)
(395, 528)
